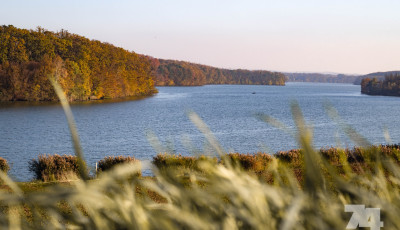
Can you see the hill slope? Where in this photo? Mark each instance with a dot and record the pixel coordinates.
(377, 75)
(180, 73)
(87, 69)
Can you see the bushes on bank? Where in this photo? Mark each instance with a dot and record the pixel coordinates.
(356, 154)
(4, 165)
(290, 156)
(164, 161)
(109, 162)
(359, 159)
(250, 162)
(54, 167)
(59, 167)
(361, 155)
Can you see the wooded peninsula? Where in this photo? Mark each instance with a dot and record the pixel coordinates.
(86, 69)
(389, 86)
(90, 69)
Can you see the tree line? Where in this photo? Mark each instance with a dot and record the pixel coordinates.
(86, 69)
(378, 75)
(320, 77)
(181, 73)
(389, 86)
(90, 69)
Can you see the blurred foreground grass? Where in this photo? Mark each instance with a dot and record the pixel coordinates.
(212, 196)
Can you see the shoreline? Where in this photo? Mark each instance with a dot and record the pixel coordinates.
(256, 162)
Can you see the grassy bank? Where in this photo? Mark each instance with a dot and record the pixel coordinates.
(243, 191)
(60, 167)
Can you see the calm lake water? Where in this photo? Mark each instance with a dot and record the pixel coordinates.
(120, 128)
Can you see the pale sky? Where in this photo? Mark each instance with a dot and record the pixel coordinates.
(343, 36)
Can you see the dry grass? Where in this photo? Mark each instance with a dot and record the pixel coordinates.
(54, 167)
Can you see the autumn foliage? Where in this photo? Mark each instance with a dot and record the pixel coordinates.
(390, 86)
(90, 69)
(180, 73)
(86, 69)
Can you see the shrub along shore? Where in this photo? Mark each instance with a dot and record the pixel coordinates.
(61, 167)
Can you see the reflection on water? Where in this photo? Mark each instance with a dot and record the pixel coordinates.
(118, 127)
(354, 94)
(170, 96)
(19, 104)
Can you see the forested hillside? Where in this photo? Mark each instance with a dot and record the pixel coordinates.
(180, 73)
(86, 69)
(378, 75)
(389, 86)
(90, 69)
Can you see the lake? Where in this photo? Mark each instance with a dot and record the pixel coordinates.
(231, 112)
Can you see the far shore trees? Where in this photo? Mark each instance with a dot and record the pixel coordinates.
(180, 73)
(390, 86)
